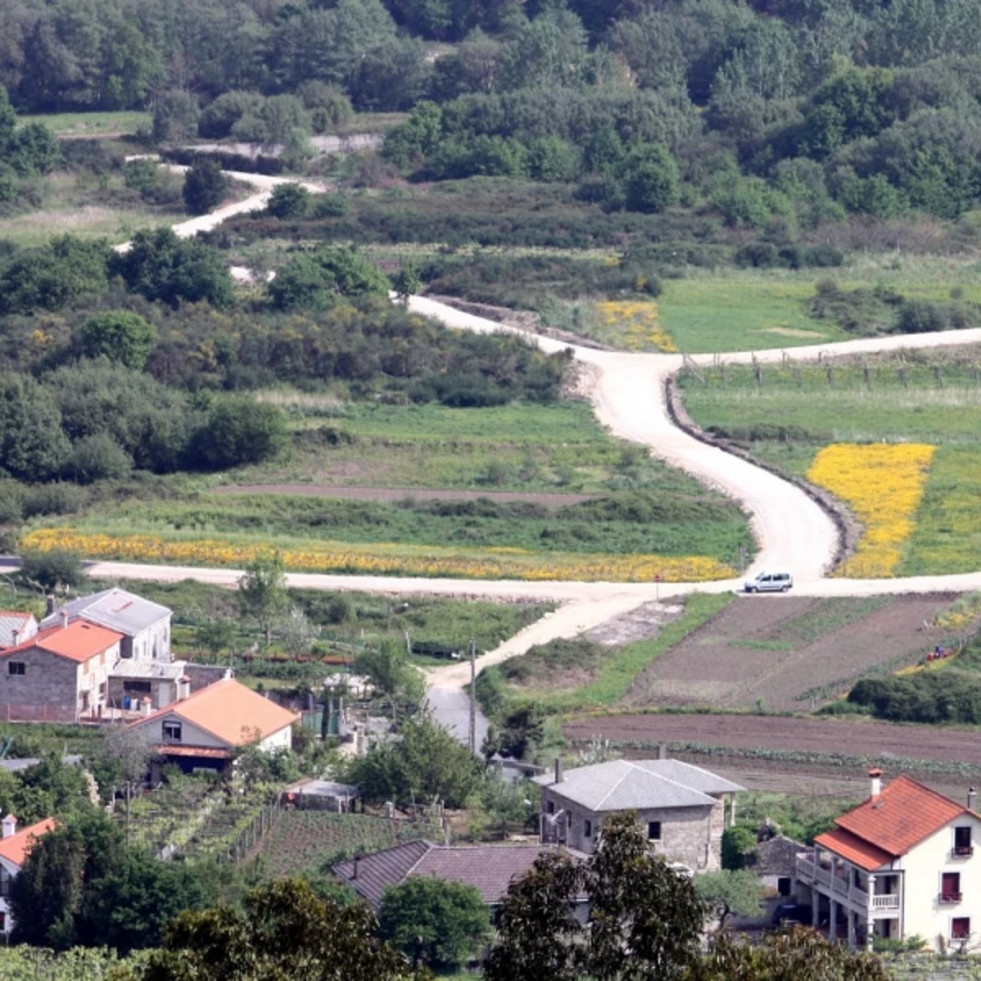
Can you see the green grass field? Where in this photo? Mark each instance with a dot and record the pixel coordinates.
(797, 410)
(92, 124)
(752, 309)
(78, 204)
(527, 448)
(640, 509)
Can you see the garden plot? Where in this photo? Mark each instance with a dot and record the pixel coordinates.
(306, 842)
(790, 654)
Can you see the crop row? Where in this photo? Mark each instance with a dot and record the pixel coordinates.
(796, 757)
(386, 559)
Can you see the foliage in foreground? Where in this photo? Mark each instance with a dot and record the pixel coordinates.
(283, 930)
(439, 923)
(645, 920)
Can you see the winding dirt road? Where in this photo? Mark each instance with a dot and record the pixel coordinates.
(627, 390)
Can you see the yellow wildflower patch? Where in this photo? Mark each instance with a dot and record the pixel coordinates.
(639, 322)
(883, 485)
(386, 559)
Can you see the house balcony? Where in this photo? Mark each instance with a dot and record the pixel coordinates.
(948, 898)
(962, 851)
(840, 889)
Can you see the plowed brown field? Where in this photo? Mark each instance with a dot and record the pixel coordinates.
(790, 654)
(825, 736)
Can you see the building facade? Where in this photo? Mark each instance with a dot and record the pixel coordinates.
(683, 808)
(59, 675)
(901, 864)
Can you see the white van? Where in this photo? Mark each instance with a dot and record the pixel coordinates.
(769, 582)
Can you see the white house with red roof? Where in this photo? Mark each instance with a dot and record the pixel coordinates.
(61, 674)
(901, 864)
(207, 728)
(15, 846)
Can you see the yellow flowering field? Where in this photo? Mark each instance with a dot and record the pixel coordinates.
(638, 325)
(386, 559)
(883, 485)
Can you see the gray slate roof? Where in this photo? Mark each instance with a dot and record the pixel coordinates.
(14, 622)
(490, 868)
(117, 609)
(622, 785)
(777, 856)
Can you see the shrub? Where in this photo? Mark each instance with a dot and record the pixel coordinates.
(237, 431)
(53, 568)
(97, 457)
(56, 498)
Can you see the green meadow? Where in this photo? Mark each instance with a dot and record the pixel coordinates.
(789, 414)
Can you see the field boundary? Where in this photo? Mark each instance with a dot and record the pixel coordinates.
(849, 529)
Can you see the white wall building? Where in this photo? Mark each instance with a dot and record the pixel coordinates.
(15, 846)
(207, 728)
(901, 864)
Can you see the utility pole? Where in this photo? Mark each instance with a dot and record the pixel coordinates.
(473, 697)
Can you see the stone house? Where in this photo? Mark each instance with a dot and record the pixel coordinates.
(684, 808)
(206, 729)
(15, 846)
(901, 864)
(143, 624)
(59, 675)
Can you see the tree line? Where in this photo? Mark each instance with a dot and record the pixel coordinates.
(803, 111)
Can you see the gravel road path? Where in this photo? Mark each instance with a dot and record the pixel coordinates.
(627, 390)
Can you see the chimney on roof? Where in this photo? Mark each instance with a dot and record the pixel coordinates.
(662, 751)
(9, 826)
(49, 605)
(357, 858)
(146, 706)
(971, 797)
(64, 619)
(558, 769)
(14, 637)
(875, 775)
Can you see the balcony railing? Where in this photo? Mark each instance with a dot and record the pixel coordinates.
(841, 889)
(949, 897)
(885, 900)
(963, 851)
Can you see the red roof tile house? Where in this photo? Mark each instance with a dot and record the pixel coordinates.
(206, 729)
(14, 848)
(59, 675)
(899, 865)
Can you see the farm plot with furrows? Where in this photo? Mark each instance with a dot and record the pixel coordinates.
(791, 654)
(638, 735)
(304, 842)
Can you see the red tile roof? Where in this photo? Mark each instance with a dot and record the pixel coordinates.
(848, 846)
(229, 711)
(79, 641)
(901, 816)
(17, 847)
